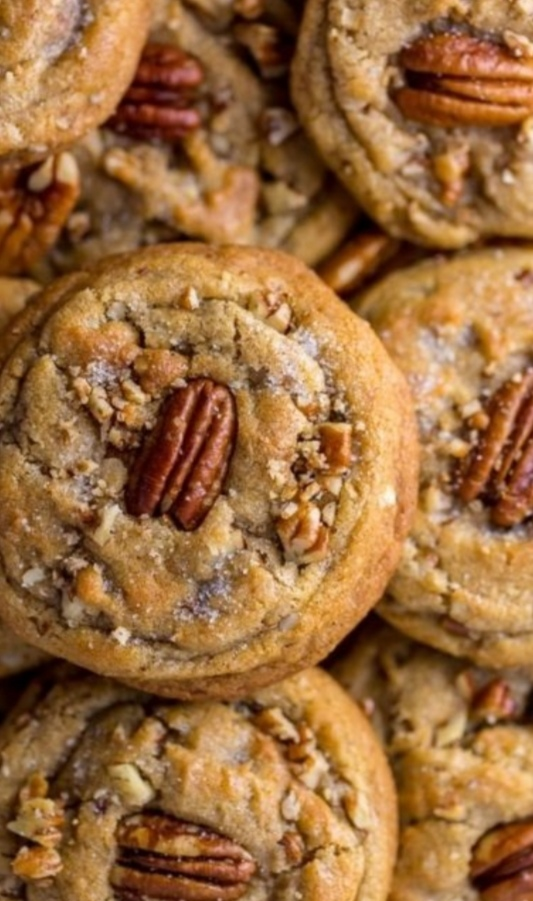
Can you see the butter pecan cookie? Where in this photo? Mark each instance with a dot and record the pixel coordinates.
(461, 330)
(207, 465)
(425, 111)
(64, 65)
(460, 742)
(205, 144)
(284, 795)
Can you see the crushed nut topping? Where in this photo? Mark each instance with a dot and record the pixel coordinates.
(40, 821)
(499, 468)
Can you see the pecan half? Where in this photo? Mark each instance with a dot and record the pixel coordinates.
(161, 857)
(159, 104)
(356, 261)
(459, 80)
(499, 468)
(502, 863)
(182, 467)
(35, 203)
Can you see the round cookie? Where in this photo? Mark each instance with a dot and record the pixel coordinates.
(424, 111)
(64, 65)
(208, 465)
(206, 145)
(285, 795)
(460, 743)
(461, 330)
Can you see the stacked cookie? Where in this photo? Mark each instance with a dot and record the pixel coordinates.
(209, 464)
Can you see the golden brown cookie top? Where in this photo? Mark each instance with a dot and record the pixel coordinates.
(424, 111)
(282, 795)
(64, 65)
(205, 143)
(462, 330)
(199, 448)
(460, 741)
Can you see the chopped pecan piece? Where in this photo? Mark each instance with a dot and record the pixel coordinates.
(303, 535)
(336, 444)
(182, 467)
(456, 79)
(32, 864)
(502, 863)
(35, 203)
(159, 104)
(499, 468)
(39, 819)
(494, 702)
(161, 857)
(269, 46)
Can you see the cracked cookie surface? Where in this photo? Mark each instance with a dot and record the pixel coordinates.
(108, 792)
(459, 739)
(198, 449)
(206, 145)
(64, 65)
(461, 330)
(424, 111)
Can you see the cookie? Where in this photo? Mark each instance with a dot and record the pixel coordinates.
(459, 739)
(205, 144)
(64, 65)
(208, 465)
(424, 112)
(285, 795)
(461, 330)
(15, 655)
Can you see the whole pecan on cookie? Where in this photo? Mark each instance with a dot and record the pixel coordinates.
(501, 868)
(160, 856)
(455, 79)
(35, 203)
(159, 104)
(499, 468)
(182, 467)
